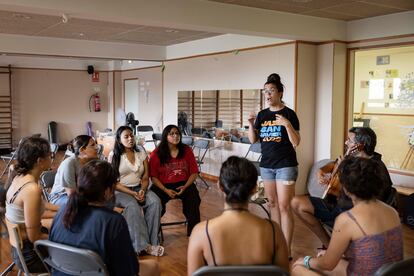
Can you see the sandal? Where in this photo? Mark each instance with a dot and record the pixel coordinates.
(155, 250)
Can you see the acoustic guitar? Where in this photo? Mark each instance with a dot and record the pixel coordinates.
(334, 186)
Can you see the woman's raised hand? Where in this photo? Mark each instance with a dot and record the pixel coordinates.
(281, 121)
(252, 117)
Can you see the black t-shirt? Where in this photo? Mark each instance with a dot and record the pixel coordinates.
(277, 150)
(102, 231)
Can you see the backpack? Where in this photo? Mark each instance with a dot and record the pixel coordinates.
(408, 212)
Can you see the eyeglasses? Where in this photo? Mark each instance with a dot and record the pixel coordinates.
(95, 146)
(174, 134)
(349, 140)
(268, 91)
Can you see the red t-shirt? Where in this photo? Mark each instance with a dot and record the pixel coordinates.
(176, 169)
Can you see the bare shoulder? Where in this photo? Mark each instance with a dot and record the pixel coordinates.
(32, 190)
(342, 222)
(389, 213)
(198, 230)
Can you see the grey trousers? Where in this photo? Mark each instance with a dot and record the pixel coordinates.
(143, 220)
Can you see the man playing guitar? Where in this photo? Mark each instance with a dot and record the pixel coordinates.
(314, 211)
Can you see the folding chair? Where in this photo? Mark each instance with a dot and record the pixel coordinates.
(157, 138)
(8, 158)
(100, 149)
(234, 138)
(69, 259)
(240, 270)
(146, 129)
(401, 268)
(47, 179)
(199, 131)
(201, 147)
(255, 148)
(245, 140)
(178, 222)
(3, 226)
(187, 140)
(54, 147)
(16, 241)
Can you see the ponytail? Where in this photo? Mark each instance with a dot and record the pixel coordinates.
(94, 179)
(75, 204)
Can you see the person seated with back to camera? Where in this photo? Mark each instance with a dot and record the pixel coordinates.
(314, 211)
(24, 204)
(173, 170)
(369, 235)
(258, 241)
(144, 209)
(86, 222)
(85, 150)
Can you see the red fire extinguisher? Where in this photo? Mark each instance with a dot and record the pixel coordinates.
(96, 103)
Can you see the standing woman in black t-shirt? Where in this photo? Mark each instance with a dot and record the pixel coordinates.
(277, 128)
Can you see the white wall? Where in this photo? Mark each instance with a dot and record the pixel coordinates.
(330, 100)
(324, 79)
(221, 43)
(306, 99)
(381, 26)
(41, 96)
(245, 70)
(150, 84)
(338, 100)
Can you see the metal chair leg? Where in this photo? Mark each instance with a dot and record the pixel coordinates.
(6, 167)
(8, 269)
(204, 181)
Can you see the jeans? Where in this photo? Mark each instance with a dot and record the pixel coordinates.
(143, 220)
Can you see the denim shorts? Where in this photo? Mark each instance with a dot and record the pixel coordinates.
(285, 174)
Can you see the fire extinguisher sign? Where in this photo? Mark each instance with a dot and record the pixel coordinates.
(95, 77)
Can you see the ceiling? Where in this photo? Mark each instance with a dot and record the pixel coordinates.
(335, 9)
(46, 25)
(53, 26)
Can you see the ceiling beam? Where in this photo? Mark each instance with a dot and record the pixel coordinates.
(60, 47)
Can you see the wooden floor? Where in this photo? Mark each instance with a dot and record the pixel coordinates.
(175, 240)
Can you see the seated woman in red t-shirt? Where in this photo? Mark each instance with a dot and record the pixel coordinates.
(173, 170)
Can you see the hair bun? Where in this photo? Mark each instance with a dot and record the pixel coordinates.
(273, 78)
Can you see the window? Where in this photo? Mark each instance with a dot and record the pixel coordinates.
(384, 101)
(232, 107)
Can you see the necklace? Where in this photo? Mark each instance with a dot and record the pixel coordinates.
(240, 209)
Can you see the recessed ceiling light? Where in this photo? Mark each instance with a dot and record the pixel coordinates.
(172, 31)
(129, 61)
(21, 16)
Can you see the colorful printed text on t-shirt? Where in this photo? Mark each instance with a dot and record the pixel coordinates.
(270, 132)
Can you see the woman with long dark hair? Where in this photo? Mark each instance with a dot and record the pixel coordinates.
(87, 223)
(257, 241)
(142, 207)
(277, 129)
(24, 205)
(173, 170)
